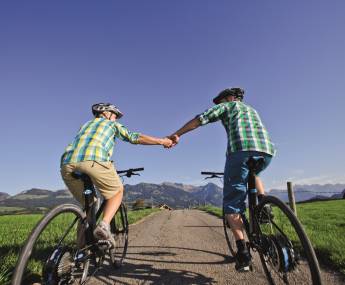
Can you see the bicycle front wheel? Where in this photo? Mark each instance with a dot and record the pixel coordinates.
(48, 256)
(119, 229)
(285, 251)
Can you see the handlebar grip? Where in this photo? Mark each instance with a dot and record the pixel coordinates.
(138, 169)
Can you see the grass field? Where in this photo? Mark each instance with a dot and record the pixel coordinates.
(16, 228)
(6, 210)
(324, 223)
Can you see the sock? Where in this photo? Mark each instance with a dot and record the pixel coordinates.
(241, 245)
(260, 197)
(105, 224)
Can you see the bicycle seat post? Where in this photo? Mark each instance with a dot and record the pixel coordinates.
(252, 191)
(89, 195)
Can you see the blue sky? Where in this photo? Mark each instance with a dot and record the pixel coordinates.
(162, 62)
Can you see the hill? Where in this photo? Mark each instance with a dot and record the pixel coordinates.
(3, 196)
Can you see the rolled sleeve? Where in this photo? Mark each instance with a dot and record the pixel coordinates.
(125, 135)
(212, 115)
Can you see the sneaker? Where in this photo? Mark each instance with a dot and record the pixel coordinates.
(266, 215)
(102, 232)
(243, 261)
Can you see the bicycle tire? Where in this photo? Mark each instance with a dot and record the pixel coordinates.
(284, 254)
(119, 229)
(35, 235)
(229, 236)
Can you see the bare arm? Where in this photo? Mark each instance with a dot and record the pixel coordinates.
(191, 125)
(148, 140)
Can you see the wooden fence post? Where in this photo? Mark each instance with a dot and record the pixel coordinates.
(292, 201)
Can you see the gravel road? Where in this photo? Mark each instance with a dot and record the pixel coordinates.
(182, 247)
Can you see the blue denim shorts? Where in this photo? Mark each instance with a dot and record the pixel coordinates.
(236, 175)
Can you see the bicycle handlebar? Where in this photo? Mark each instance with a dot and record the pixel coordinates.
(211, 173)
(131, 171)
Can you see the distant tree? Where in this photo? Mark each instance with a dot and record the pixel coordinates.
(344, 194)
(139, 204)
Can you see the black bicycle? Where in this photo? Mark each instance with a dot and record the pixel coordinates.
(61, 249)
(274, 232)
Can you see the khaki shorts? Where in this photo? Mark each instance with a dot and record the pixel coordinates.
(102, 174)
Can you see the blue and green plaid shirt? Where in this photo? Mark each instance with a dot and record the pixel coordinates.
(243, 125)
(95, 141)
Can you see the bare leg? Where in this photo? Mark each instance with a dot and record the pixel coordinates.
(111, 206)
(236, 225)
(259, 186)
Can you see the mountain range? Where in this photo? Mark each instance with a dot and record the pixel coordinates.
(312, 192)
(175, 195)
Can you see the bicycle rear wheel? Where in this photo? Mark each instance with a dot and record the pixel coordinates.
(119, 228)
(285, 251)
(48, 256)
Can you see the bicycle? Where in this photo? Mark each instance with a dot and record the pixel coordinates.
(52, 255)
(285, 252)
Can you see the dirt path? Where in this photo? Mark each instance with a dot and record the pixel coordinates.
(181, 247)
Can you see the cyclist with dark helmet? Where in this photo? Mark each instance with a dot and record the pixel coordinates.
(90, 153)
(247, 137)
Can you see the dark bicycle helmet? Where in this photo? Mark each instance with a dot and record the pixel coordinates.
(102, 107)
(235, 91)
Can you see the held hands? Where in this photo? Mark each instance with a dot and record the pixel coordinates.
(171, 141)
(166, 142)
(175, 138)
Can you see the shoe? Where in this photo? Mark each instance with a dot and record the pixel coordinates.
(102, 232)
(266, 215)
(243, 261)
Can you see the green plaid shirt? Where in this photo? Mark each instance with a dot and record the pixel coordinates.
(95, 141)
(243, 126)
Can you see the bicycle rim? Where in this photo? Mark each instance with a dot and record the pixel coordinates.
(48, 256)
(285, 250)
(229, 237)
(119, 228)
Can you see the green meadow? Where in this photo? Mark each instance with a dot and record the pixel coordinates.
(15, 229)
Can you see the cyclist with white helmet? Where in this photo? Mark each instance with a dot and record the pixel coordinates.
(90, 153)
(247, 137)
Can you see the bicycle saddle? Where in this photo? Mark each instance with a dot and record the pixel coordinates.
(84, 177)
(255, 163)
